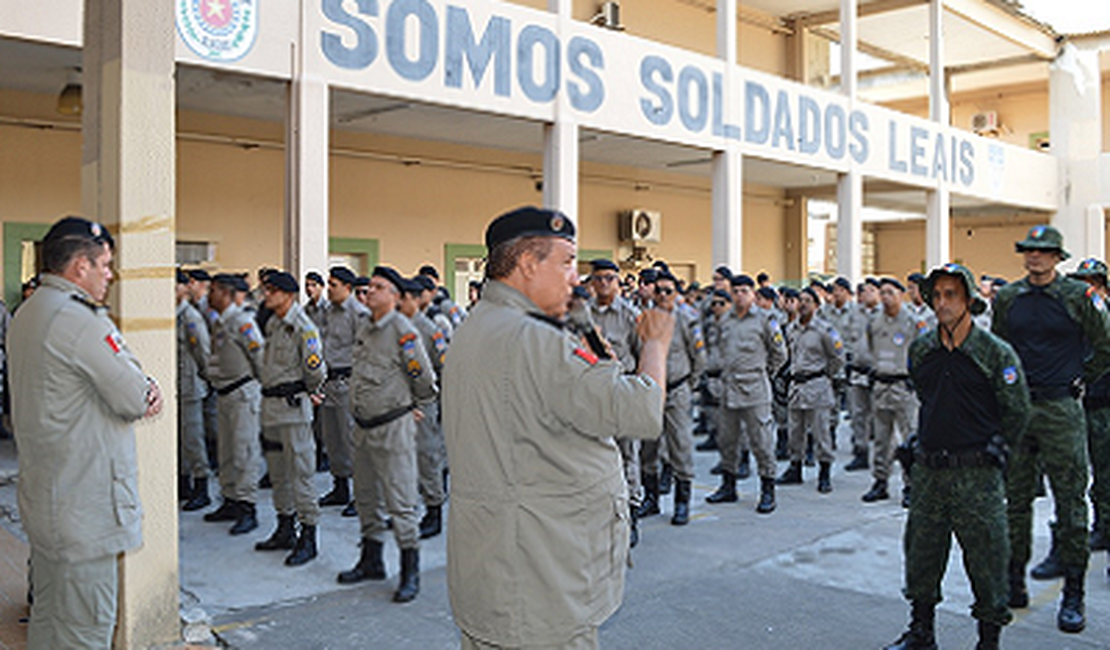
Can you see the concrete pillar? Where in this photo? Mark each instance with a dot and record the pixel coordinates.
(127, 182)
(849, 186)
(849, 37)
(797, 237)
(306, 167)
(1075, 111)
(560, 167)
(938, 216)
(561, 7)
(728, 209)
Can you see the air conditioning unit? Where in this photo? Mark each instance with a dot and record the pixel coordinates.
(641, 226)
(608, 16)
(985, 122)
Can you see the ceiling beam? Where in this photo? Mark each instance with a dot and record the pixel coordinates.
(871, 8)
(873, 50)
(1026, 33)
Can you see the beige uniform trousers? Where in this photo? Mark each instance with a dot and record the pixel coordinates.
(752, 426)
(385, 472)
(190, 430)
(431, 455)
(238, 445)
(585, 641)
(291, 458)
(676, 445)
(336, 428)
(75, 603)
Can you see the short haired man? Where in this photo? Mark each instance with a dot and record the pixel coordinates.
(194, 347)
(314, 295)
(76, 390)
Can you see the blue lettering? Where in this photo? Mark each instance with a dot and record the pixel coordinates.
(530, 37)
(365, 49)
(917, 151)
(940, 159)
(836, 135)
(895, 164)
(590, 98)
(858, 125)
(756, 94)
(967, 163)
(784, 126)
(661, 112)
(809, 125)
(495, 44)
(730, 131)
(395, 18)
(694, 118)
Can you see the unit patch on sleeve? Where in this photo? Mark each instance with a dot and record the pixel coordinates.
(586, 355)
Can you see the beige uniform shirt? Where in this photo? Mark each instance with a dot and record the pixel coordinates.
(537, 539)
(391, 369)
(749, 350)
(338, 326)
(815, 347)
(76, 389)
(888, 344)
(433, 338)
(236, 347)
(194, 347)
(292, 354)
(617, 322)
(686, 357)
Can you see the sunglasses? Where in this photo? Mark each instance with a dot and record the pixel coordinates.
(361, 292)
(663, 292)
(718, 303)
(606, 278)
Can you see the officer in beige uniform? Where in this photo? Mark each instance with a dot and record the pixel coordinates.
(234, 370)
(431, 454)
(76, 389)
(194, 347)
(293, 371)
(537, 543)
(392, 381)
(338, 324)
(751, 348)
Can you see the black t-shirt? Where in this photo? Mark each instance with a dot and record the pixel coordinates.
(1050, 344)
(959, 411)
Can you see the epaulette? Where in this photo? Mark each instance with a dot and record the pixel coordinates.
(554, 322)
(95, 307)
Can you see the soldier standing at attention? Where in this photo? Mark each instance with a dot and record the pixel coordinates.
(843, 314)
(339, 324)
(547, 532)
(751, 350)
(974, 407)
(391, 383)
(816, 355)
(76, 389)
(314, 294)
(1058, 326)
(193, 350)
(685, 363)
(292, 374)
(431, 455)
(234, 369)
(923, 315)
(886, 346)
(859, 374)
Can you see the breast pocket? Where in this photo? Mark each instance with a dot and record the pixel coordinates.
(125, 496)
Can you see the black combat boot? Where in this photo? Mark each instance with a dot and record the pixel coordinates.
(859, 461)
(922, 633)
(351, 510)
(666, 478)
(1019, 595)
(284, 537)
(305, 548)
(1070, 618)
(247, 520)
(877, 492)
(989, 634)
(718, 469)
(340, 494)
(824, 482)
(199, 499)
(727, 492)
(681, 515)
(709, 444)
(184, 487)
(782, 451)
(766, 495)
(905, 496)
(1051, 567)
(369, 567)
(792, 475)
(745, 469)
(633, 528)
(432, 522)
(228, 511)
(650, 506)
(409, 585)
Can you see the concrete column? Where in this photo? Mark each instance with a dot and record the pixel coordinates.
(127, 182)
(938, 78)
(797, 237)
(1075, 111)
(938, 228)
(849, 37)
(728, 209)
(306, 167)
(938, 215)
(849, 186)
(560, 167)
(561, 7)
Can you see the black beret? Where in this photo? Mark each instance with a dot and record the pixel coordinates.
(226, 280)
(694, 286)
(871, 281)
(916, 278)
(314, 276)
(661, 266)
(762, 277)
(426, 283)
(343, 274)
(723, 271)
(412, 287)
(742, 280)
(78, 227)
(241, 284)
(789, 292)
(429, 271)
(892, 282)
(767, 292)
(843, 283)
(528, 222)
(665, 275)
(282, 281)
(817, 283)
(648, 276)
(721, 293)
(200, 275)
(604, 265)
(812, 294)
(999, 282)
(182, 277)
(391, 275)
(362, 281)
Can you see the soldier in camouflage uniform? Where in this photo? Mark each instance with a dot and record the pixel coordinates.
(1058, 326)
(974, 406)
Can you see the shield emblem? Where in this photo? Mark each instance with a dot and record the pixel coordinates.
(218, 30)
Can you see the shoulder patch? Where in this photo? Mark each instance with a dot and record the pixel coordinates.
(835, 336)
(585, 355)
(1096, 298)
(311, 342)
(1010, 375)
(115, 342)
(439, 341)
(408, 343)
(313, 361)
(413, 368)
(246, 328)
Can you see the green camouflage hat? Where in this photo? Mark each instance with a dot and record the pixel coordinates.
(1044, 238)
(1090, 268)
(960, 272)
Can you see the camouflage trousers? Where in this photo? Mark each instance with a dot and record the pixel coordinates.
(1055, 441)
(1098, 446)
(970, 503)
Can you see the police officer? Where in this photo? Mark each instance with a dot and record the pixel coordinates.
(391, 382)
(887, 343)
(234, 369)
(314, 303)
(685, 363)
(193, 350)
(923, 315)
(293, 371)
(1058, 326)
(719, 306)
(974, 406)
(547, 532)
(443, 303)
(431, 455)
(816, 355)
(76, 389)
(339, 324)
(844, 314)
(752, 349)
(859, 375)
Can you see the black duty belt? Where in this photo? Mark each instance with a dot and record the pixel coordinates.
(852, 369)
(671, 385)
(339, 373)
(803, 377)
(270, 445)
(290, 390)
(955, 459)
(890, 379)
(1046, 393)
(235, 385)
(384, 418)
